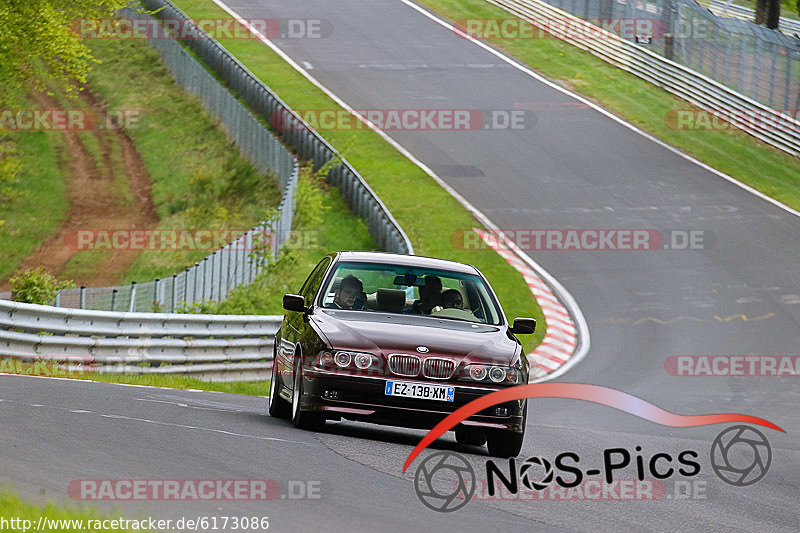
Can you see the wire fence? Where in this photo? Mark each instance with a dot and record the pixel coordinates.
(292, 129)
(240, 261)
(758, 62)
(235, 264)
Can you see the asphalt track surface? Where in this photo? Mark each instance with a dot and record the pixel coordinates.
(571, 168)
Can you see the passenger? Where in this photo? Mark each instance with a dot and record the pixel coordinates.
(350, 289)
(452, 298)
(430, 295)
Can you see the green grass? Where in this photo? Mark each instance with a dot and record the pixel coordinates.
(39, 203)
(200, 181)
(330, 227)
(430, 216)
(21, 516)
(788, 7)
(42, 368)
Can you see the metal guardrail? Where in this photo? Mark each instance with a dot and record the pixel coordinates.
(221, 346)
(294, 131)
(231, 265)
(787, 25)
(764, 123)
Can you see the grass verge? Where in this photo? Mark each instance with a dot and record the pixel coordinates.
(23, 516)
(35, 200)
(322, 223)
(199, 179)
(42, 368)
(430, 216)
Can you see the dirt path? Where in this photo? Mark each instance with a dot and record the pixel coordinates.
(95, 200)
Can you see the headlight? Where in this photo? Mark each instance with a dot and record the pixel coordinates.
(325, 358)
(494, 374)
(343, 359)
(497, 374)
(363, 360)
(477, 372)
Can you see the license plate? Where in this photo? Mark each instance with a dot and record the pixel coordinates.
(421, 391)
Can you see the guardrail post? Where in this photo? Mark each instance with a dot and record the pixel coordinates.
(132, 306)
(205, 277)
(194, 283)
(114, 300)
(156, 286)
(58, 298)
(669, 45)
(83, 297)
(174, 292)
(211, 287)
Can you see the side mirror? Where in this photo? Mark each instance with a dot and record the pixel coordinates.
(294, 302)
(523, 326)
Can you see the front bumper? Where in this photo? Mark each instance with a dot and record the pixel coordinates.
(363, 398)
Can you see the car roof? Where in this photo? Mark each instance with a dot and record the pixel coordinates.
(406, 260)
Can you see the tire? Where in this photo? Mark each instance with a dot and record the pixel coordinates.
(505, 444)
(278, 407)
(470, 436)
(300, 419)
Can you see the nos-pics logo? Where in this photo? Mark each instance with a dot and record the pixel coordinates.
(445, 481)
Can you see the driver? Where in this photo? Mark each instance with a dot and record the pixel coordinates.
(430, 295)
(350, 288)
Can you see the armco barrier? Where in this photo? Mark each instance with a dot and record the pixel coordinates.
(219, 346)
(764, 123)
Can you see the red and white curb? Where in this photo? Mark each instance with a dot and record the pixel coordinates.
(561, 338)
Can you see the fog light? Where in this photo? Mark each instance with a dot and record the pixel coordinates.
(497, 374)
(477, 372)
(330, 394)
(343, 359)
(501, 411)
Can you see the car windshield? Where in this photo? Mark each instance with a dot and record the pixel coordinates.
(386, 288)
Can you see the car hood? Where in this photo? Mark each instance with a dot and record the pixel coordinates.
(383, 333)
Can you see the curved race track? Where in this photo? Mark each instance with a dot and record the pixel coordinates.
(574, 168)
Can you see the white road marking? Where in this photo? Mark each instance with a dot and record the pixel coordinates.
(179, 404)
(308, 65)
(522, 68)
(212, 430)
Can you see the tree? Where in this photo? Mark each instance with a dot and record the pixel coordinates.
(39, 38)
(769, 12)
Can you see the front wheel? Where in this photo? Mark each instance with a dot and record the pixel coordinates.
(505, 444)
(301, 419)
(278, 407)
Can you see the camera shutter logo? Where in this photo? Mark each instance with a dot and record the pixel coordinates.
(525, 473)
(434, 485)
(741, 455)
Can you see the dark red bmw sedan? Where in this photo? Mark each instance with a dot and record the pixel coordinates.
(399, 340)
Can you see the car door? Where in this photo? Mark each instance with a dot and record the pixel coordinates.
(295, 325)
